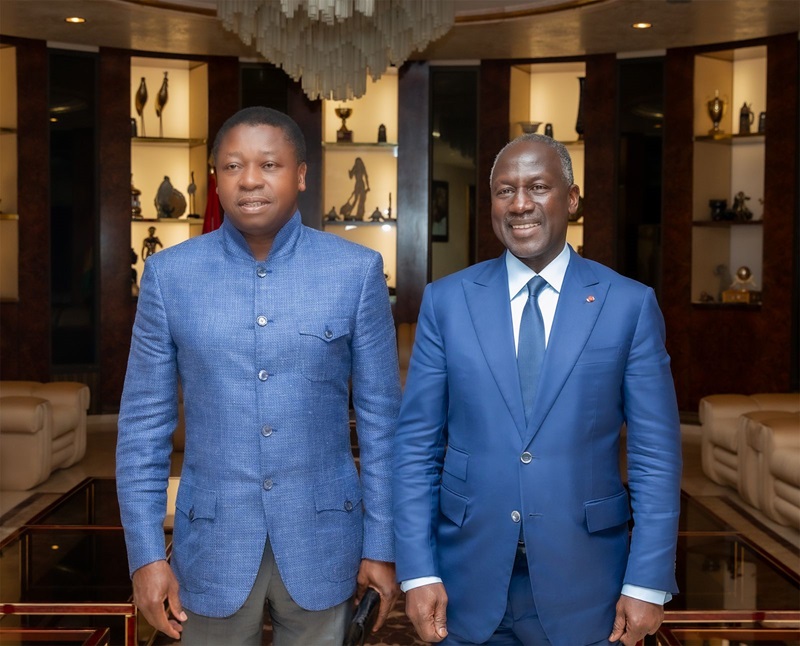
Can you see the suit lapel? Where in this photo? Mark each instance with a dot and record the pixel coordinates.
(579, 303)
(490, 310)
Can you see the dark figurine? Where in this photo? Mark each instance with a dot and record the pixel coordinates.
(150, 243)
(376, 215)
(141, 101)
(161, 101)
(359, 194)
(332, 216)
(740, 210)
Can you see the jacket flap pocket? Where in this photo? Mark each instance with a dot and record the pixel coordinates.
(327, 331)
(342, 494)
(607, 512)
(196, 502)
(455, 463)
(452, 506)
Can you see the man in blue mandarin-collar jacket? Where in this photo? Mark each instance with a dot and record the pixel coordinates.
(511, 516)
(265, 323)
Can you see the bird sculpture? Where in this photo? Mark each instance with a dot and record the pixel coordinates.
(191, 190)
(161, 101)
(141, 101)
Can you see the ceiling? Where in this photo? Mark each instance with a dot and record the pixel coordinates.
(484, 28)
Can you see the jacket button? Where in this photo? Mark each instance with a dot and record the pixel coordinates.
(526, 458)
(261, 272)
(348, 506)
(266, 430)
(263, 375)
(328, 334)
(267, 484)
(261, 321)
(515, 516)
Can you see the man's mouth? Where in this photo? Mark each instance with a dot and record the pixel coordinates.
(522, 226)
(253, 202)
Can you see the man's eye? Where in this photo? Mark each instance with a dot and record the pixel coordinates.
(270, 165)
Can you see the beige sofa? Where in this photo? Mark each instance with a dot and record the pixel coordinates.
(42, 428)
(748, 443)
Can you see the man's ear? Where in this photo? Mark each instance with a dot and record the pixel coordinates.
(301, 176)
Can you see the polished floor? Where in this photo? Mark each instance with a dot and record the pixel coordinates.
(761, 549)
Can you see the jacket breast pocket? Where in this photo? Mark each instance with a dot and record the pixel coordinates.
(605, 513)
(591, 356)
(325, 349)
(195, 511)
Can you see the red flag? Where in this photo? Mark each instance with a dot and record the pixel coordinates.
(213, 218)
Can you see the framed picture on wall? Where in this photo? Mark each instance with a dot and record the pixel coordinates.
(440, 206)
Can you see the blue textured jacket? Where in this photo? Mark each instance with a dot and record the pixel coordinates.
(265, 352)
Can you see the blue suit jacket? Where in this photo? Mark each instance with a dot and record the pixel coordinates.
(264, 352)
(462, 430)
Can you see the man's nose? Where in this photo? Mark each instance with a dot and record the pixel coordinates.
(522, 201)
(251, 177)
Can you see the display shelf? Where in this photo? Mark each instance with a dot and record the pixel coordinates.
(725, 164)
(179, 151)
(364, 163)
(752, 307)
(726, 224)
(8, 131)
(169, 141)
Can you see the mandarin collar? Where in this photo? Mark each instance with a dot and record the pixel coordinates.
(284, 243)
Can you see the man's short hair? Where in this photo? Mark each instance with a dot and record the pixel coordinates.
(261, 116)
(561, 149)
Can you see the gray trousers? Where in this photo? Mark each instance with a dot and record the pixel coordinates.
(291, 624)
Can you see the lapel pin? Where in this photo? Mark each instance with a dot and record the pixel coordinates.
(590, 299)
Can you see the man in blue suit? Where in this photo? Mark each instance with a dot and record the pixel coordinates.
(511, 518)
(264, 323)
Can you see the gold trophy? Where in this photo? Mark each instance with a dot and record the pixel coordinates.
(343, 134)
(716, 110)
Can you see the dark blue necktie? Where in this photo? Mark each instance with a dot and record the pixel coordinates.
(531, 345)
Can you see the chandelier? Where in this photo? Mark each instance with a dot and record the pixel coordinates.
(330, 45)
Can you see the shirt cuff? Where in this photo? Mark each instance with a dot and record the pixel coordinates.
(405, 586)
(658, 597)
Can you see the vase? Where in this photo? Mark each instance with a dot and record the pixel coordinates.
(579, 121)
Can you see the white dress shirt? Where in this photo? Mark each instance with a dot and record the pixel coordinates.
(518, 276)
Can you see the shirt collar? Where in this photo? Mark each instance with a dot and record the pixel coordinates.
(519, 273)
(284, 242)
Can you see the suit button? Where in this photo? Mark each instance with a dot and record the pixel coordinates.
(262, 321)
(348, 506)
(328, 334)
(267, 484)
(263, 375)
(266, 430)
(526, 458)
(261, 272)
(515, 516)
(191, 514)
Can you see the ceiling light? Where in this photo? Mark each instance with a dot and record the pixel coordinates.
(330, 46)
(75, 20)
(642, 25)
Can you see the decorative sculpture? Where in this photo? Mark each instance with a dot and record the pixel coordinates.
(359, 194)
(161, 101)
(343, 134)
(191, 190)
(716, 110)
(150, 243)
(141, 101)
(170, 202)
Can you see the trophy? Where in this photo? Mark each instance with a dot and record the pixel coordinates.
(343, 134)
(716, 110)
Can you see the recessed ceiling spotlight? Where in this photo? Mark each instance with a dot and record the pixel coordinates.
(75, 20)
(642, 25)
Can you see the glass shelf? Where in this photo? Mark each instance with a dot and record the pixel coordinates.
(728, 139)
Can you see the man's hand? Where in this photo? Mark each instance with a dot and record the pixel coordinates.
(152, 584)
(635, 619)
(379, 575)
(426, 607)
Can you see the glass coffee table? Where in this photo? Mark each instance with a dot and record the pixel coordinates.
(67, 570)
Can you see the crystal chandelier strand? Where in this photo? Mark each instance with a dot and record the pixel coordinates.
(332, 44)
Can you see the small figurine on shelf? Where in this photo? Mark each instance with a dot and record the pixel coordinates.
(170, 202)
(136, 204)
(141, 101)
(742, 289)
(376, 215)
(161, 101)
(150, 243)
(762, 122)
(191, 190)
(359, 194)
(332, 216)
(389, 210)
(740, 211)
(705, 297)
(746, 117)
(381, 134)
(548, 130)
